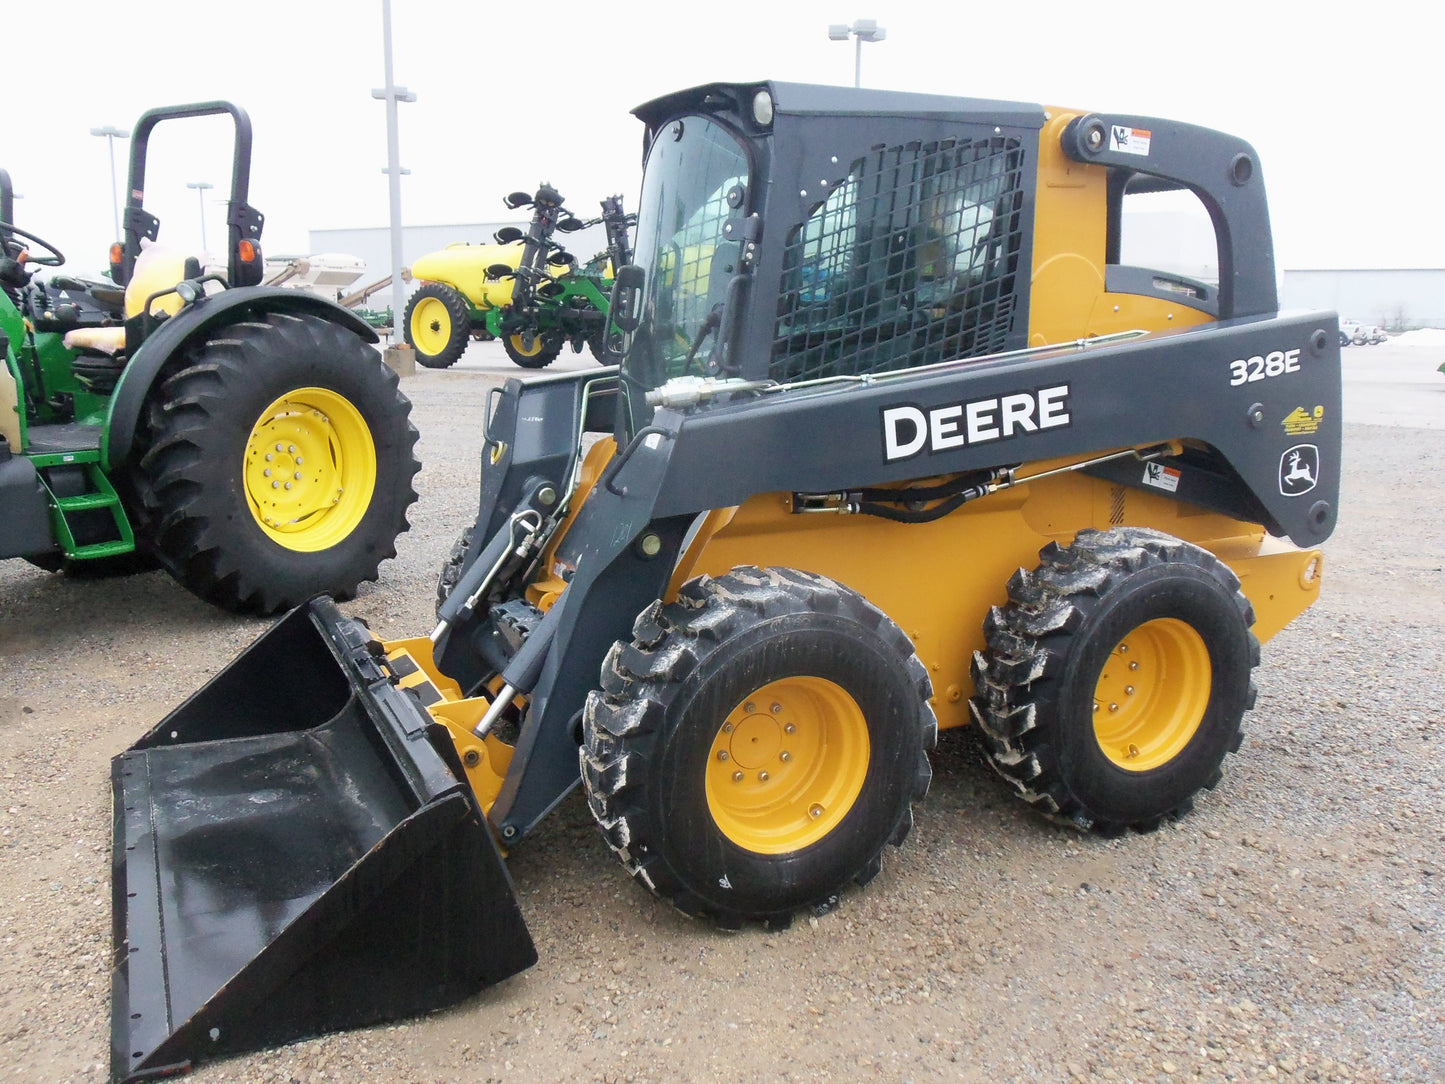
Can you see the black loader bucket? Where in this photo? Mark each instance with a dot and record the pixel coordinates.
(295, 852)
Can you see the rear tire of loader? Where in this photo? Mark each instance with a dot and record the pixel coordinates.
(1115, 678)
(789, 680)
(437, 325)
(257, 534)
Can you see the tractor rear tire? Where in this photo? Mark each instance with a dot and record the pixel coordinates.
(757, 744)
(437, 325)
(1116, 677)
(277, 464)
(546, 345)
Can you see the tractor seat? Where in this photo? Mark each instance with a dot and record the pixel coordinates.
(156, 268)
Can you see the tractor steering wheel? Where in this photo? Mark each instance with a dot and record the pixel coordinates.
(51, 258)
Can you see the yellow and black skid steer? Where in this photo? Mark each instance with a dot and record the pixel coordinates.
(896, 440)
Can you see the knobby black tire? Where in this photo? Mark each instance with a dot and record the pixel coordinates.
(549, 344)
(459, 333)
(1036, 680)
(190, 476)
(451, 570)
(673, 685)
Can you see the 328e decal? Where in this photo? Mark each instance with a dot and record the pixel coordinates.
(1261, 366)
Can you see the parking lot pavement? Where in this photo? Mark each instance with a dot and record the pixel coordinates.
(1394, 384)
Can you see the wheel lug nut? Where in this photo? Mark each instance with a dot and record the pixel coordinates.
(1113, 707)
(275, 485)
(727, 728)
(750, 707)
(722, 754)
(297, 476)
(269, 457)
(737, 777)
(785, 756)
(288, 485)
(266, 473)
(776, 708)
(789, 728)
(290, 447)
(1128, 690)
(1133, 751)
(278, 447)
(1096, 705)
(1123, 649)
(298, 461)
(815, 811)
(762, 777)
(1133, 665)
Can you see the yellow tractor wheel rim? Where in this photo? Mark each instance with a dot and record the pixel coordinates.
(1152, 694)
(431, 326)
(310, 469)
(520, 348)
(787, 764)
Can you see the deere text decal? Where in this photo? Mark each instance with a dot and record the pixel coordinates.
(909, 430)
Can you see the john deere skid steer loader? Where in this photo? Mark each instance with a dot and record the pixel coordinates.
(249, 439)
(897, 442)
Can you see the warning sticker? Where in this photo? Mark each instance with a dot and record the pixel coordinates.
(1128, 140)
(1161, 477)
(1300, 423)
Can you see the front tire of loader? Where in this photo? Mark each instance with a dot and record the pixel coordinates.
(278, 464)
(451, 571)
(1116, 677)
(437, 324)
(757, 744)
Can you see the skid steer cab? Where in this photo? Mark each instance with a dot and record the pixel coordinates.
(897, 443)
(248, 439)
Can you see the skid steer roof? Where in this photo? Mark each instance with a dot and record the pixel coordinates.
(805, 99)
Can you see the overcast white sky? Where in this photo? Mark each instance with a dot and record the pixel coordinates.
(1341, 101)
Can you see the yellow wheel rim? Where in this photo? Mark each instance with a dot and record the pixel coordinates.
(787, 764)
(431, 326)
(518, 346)
(1152, 694)
(310, 469)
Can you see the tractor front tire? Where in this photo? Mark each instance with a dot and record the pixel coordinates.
(1115, 678)
(437, 325)
(757, 744)
(546, 345)
(278, 464)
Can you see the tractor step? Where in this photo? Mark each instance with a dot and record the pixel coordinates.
(296, 851)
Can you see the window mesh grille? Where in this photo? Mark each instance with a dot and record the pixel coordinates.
(912, 259)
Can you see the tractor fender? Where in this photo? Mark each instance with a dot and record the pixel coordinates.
(215, 311)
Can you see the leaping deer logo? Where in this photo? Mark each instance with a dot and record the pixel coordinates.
(1299, 470)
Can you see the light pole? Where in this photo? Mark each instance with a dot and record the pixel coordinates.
(112, 133)
(391, 94)
(200, 187)
(863, 30)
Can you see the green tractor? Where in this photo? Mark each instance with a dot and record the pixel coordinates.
(525, 289)
(248, 439)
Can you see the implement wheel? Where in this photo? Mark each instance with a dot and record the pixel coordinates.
(1116, 678)
(278, 464)
(757, 744)
(437, 325)
(546, 345)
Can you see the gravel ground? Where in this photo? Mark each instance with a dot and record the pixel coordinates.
(1289, 928)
